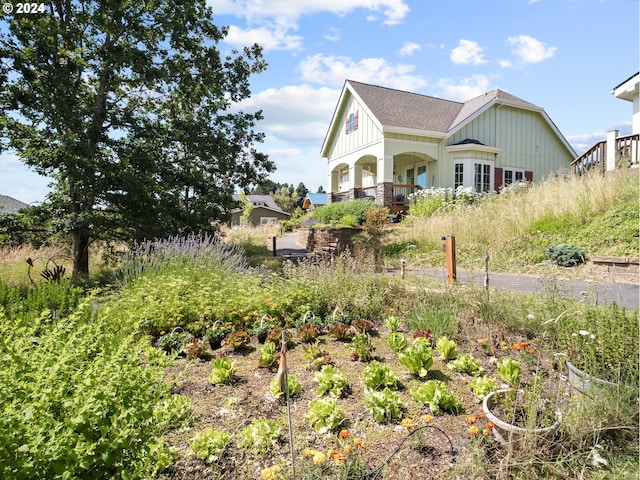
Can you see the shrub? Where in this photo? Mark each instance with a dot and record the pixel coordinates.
(332, 213)
(566, 255)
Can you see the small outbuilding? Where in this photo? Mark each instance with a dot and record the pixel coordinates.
(313, 201)
(263, 210)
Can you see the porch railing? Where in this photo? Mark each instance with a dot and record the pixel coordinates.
(626, 156)
(401, 193)
(366, 192)
(340, 197)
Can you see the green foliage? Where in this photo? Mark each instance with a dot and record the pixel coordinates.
(315, 356)
(237, 340)
(483, 386)
(77, 403)
(397, 341)
(209, 444)
(173, 411)
(294, 386)
(466, 364)
(172, 166)
(379, 375)
(331, 381)
(566, 255)
(418, 358)
(385, 405)
(173, 341)
(260, 435)
(341, 332)
(333, 213)
(324, 415)
(437, 314)
(361, 347)
(392, 323)
(308, 333)
(222, 371)
(435, 394)
(427, 202)
(447, 349)
(267, 357)
(509, 370)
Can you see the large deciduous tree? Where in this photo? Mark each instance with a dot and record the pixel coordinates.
(128, 107)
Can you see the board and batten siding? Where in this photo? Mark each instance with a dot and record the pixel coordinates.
(367, 132)
(526, 140)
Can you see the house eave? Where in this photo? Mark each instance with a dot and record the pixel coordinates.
(628, 89)
(472, 147)
(413, 131)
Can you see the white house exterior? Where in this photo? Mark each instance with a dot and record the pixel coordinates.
(385, 144)
(629, 90)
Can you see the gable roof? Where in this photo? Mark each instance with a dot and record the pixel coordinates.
(316, 199)
(260, 201)
(9, 205)
(397, 110)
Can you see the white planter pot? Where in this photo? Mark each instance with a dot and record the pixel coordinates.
(506, 433)
(584, 383)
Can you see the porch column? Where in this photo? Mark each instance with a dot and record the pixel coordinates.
(384, 192)
(333, 185)
(611, 150)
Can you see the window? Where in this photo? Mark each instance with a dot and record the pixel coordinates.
(265, 220)
(482, 177)
(512, 175)
(458, 175)
(411, 176)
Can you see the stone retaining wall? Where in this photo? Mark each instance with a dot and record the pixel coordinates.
(326, 239)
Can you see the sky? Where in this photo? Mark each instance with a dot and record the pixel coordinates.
(562, 55)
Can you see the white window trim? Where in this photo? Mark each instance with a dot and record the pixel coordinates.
(265, 220)
(469, 170)
(514, 170)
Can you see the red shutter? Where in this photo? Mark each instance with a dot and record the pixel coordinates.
(528, 176)
(346, 125)
(497, 179)
(355, 122)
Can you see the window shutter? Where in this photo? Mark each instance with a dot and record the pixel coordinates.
(497, 178)
(355, 122)
(528, 176)
(346, 125)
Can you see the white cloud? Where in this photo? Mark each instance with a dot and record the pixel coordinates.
(394, 11)
(467, 52)
(504, 63)
(409, 48)
(582, 142)
(529, 49)
(275, 38)
(334, 70)
(531, 2)
(332, 34)
(469, 88)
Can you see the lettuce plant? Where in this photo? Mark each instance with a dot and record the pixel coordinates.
(397, 341)
(466, 364)
(483, 386)
(209, 444)
(378, 375)
(385, 406)
(267, 358)
(509, 370)
(324, 415)
(294, 386)
(418, 358)
(222, 371)
(362, 347)
(392, 323)
(331, 381)
(260, 435)
(447, 349)
(435, 394)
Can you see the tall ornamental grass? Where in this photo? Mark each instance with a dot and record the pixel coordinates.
(77, 401)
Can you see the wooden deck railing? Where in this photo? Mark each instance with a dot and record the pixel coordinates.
(626, 156)
(366, 192)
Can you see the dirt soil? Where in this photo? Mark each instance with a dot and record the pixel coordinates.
(444, 450)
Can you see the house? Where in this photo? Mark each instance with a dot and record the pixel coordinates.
(264, 210)
(386, 144)
(616, 151)
(9, 205)
(314, 200)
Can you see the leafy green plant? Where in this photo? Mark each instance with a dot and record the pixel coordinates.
(294, 386)
(308, 333)
(267, 357)
(509, 370)
(466, 364)
(397, 341)
(418, 358)
(222, 371)
(332, 213)
(483, 386)
(341, 332)
(195, 348)
(435, 394)
(331, 381)
(237, 340)
(325, 415)
(260, 435)
(173, 411)
(215, 334)
(361, 347)
(209, 444)
(447, 349)
(426, 334)
(362, 325)
(385, 405)
(566, 255)
(392, 323)
(315, 356)
(377, 375)
(174, 341)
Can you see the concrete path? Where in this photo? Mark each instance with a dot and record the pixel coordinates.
(591, 291)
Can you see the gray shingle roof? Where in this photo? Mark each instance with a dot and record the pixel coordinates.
(9, 205)
(397, 108)
(260, 200)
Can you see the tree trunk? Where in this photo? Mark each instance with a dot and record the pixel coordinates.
(80, 256)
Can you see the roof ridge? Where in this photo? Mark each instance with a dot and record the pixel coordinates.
(405, 91)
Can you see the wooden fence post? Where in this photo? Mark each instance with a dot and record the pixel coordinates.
(450, 249)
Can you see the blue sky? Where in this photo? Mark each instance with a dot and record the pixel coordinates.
(562, 55)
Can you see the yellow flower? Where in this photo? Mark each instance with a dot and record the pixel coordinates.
(473, 430)
(485, 432)
(470, 420)
(483, 341)
(348, 450)
(319, 457)
(162, 332)
(408, 423)
(428, 418)
(271, 473)
(358, 443)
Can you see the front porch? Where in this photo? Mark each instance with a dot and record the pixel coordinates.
(610, 154)
(395, 196)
